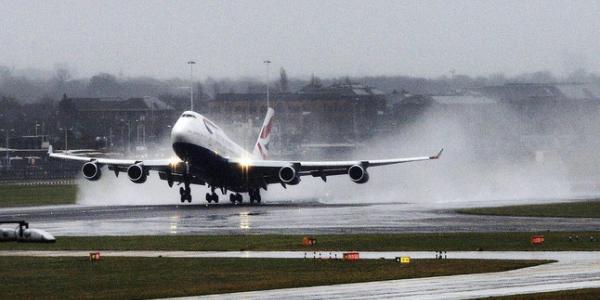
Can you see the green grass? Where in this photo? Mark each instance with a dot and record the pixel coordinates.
(35, 195)
(141, 278)
(585, 209)
(492, 241)
(582, 294)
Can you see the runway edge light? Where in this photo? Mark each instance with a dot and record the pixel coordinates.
(351, 256)
(537, 240)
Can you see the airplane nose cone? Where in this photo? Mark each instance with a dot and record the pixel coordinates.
(179, 132)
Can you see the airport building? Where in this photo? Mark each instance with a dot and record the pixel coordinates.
(123, 125)
(332, 119)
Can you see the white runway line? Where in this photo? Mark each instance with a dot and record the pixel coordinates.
(574, 270)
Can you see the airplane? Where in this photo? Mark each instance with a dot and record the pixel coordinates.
(204, 155)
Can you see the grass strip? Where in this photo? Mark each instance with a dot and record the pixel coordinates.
(37, 195)
(142, 278)
(489, 241)
(584, 209)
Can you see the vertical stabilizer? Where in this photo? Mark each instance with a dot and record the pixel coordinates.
(261, 149)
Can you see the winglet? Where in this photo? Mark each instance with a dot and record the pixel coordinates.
(438, 155)
(50, 150)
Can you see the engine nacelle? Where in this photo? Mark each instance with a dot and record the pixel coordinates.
(91, 171)
(137, 173)
(358, 174)
(288, 175)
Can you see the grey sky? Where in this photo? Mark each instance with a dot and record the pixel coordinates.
(329, 38)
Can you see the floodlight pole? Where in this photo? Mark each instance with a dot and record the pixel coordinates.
(191, 63)
(268, 62)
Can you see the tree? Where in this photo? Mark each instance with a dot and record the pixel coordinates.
(104, 85)
(60, 78)
(4, 72)
(283, 81)
(315, 82)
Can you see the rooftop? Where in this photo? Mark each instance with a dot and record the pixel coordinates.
(119, 104)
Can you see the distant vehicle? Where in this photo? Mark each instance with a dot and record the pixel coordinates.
(22, 233)
(206, 156)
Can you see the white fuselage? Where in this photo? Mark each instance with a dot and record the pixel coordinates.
(195, 130)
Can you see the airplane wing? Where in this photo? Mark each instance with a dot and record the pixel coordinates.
(271, 170)
(117, 163)
(172, 171)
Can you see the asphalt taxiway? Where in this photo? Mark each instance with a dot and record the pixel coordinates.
(282, 218)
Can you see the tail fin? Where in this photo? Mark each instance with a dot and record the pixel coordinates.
(261, 149)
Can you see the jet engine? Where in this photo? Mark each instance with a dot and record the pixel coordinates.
(91, 171)
(358, 174)
(288, 175)
(137, 173)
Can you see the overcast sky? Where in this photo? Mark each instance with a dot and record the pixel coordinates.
(328, 38)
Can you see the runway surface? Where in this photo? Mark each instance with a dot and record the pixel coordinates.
(574, 270)
(282, 218)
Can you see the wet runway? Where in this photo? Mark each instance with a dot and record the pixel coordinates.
(306, 217)
(574, 270)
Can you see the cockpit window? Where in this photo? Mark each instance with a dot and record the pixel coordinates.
(188, 116)
(210, 126)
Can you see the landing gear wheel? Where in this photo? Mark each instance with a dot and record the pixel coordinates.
(208, 198)
(232, 198)
(186, 194)
(182, 194)
(254, 196)
(214, 197)
(238, 198)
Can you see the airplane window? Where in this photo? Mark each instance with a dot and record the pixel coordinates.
(188, 116)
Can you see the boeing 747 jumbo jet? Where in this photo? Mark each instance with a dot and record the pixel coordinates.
(206, 156)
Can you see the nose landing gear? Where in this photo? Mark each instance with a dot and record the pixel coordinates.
(186, 193)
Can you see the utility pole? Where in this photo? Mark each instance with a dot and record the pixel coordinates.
(191, 63)
(7, 132)
(128, 136)
(268, 62)
(66, 137)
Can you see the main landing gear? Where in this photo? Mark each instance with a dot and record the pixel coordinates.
(212, 197)
(254, 196)
(235, 198)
